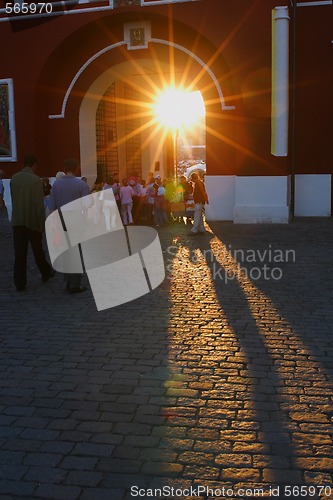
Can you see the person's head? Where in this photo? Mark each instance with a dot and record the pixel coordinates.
(124, 181)
(71, 166)
(60, 174)
(194, 177)
(143, 183)
(30, 161)
(109, 181)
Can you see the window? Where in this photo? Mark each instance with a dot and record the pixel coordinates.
(106, 136)
(133, 131)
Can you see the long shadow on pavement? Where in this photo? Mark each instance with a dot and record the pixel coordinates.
(244, 402)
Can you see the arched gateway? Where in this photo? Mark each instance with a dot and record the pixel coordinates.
(124, 78)
(128, 89)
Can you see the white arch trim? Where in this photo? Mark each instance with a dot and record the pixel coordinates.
(154, 40)
(202, 64)
(79, 73)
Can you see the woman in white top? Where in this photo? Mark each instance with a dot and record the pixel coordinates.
(126, 194)
(110, 208)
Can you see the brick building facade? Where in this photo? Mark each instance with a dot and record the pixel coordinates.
(79, 80)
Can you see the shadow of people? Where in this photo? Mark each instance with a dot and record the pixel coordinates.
(233, 330)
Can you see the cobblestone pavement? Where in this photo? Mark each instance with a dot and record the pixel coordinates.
(219, 381)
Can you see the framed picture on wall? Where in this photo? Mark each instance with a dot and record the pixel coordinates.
(7, 122)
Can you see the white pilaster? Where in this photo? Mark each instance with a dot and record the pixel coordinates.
(280, 81)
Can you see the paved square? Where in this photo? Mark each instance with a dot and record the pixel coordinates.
(219, 381)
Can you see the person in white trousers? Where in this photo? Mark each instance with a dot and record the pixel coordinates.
(126, 193)
(110, 208)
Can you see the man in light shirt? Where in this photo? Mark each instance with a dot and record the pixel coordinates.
(64, 190)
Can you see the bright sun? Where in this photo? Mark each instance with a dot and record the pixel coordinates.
(176, 108)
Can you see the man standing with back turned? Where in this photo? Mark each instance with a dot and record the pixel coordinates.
(66, 189)
(28, 221)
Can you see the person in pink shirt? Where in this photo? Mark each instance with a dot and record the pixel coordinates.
(126, 194)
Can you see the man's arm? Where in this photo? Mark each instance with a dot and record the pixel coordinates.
(203, 191)
(39, 204)
(206, 195)
(206, 198)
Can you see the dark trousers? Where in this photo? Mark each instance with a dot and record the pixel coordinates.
(22, 237)
(73, 281)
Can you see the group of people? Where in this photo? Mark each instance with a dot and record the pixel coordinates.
(151, 200)
(154, 201)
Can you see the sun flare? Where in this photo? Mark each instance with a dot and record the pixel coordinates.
(177, 108)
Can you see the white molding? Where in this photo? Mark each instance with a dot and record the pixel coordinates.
(83, 10)
(145, 3)
(314, 4)
(153, 40)
(203, 65)
(79, 73)
(57, 13)
(11, 119)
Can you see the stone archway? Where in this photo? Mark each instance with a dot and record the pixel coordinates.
(142, 74)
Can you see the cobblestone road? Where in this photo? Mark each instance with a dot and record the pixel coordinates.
(219, 381)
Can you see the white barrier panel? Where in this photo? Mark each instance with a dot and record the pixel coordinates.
(122, 263)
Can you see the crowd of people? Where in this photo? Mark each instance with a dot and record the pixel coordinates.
(154, 202)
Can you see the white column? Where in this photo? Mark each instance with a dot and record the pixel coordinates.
(280, 81)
